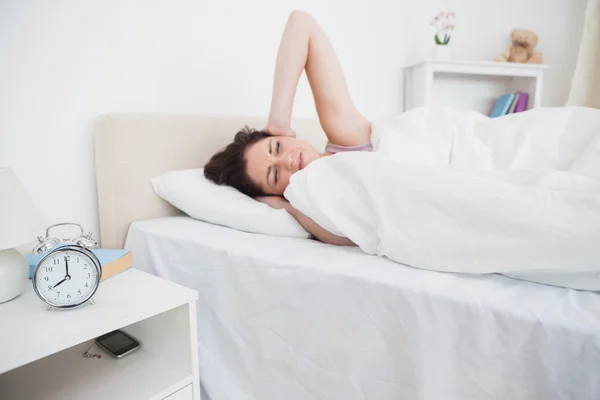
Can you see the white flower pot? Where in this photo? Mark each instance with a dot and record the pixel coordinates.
(441, 52)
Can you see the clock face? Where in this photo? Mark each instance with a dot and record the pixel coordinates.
(66, 278)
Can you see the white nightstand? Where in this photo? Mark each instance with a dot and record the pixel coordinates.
(41, 352)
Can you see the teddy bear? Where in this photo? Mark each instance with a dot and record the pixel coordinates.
(523, 43)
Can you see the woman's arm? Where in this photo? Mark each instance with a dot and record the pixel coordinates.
(304, 46)
(307, 223)
(291, 61)
(316, 230)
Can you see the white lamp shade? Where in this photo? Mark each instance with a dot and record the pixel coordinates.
(20, 221)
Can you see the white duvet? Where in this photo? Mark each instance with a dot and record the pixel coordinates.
(455, 191)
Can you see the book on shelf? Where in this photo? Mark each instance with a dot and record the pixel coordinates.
(502, 105)
(510, 103)
(112, 261)
(522, 103)
(514, 103)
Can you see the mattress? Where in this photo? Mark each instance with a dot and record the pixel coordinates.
(295, 319)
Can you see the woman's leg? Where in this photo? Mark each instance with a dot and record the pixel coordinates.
(304, 46)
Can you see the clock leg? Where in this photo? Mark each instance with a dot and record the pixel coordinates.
(91, 301)
(48, 308)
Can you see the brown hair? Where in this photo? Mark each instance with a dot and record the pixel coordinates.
(228, 166)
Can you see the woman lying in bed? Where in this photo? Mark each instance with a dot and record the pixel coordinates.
(260, 163)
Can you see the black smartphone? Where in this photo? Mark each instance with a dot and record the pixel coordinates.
(117, 343)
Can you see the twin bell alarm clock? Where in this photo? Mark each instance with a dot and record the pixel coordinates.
(69, 273)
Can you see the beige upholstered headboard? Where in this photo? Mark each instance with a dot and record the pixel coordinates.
(131, 149)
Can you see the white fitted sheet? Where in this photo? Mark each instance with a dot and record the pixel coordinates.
(283, 318)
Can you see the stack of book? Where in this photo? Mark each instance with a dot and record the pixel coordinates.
(510, 103)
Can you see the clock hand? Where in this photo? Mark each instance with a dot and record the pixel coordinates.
(67, 265)
(59, 283)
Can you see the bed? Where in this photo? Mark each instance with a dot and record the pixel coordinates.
(283, 318)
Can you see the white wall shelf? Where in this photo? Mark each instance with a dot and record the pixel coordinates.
(472, 85)
(41, 352)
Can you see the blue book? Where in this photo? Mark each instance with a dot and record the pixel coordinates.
(112, 261)
(502, 105)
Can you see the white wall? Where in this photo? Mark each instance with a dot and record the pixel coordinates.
(63, 62)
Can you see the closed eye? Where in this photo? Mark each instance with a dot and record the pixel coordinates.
(278, 146)
(276, 175)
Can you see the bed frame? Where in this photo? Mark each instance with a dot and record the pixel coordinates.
(131, 149)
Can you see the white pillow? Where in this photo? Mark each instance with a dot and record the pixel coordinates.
(200, 198)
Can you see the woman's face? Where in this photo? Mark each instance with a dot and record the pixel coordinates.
(271, 161)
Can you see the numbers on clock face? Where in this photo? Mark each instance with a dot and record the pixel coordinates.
(66, 278)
